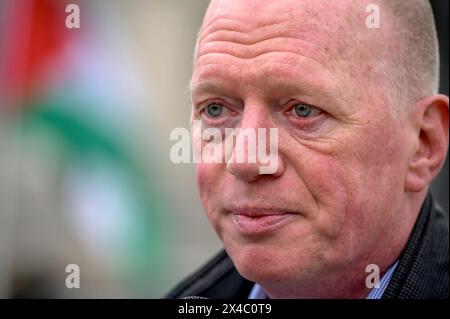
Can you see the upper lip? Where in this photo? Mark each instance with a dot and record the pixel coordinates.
(252, 211)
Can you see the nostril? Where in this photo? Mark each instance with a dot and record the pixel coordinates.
(248, 172)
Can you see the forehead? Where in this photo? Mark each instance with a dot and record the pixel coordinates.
(321, 26)
(309, 37)
(259, 12)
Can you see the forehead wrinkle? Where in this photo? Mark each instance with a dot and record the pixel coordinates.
(230, 36)
(284, 47)
(272, 37)
(226, 38)
(244, 23)
(322, 22)
(238, 24)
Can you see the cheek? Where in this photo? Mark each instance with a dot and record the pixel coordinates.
(323, 177)
(202, 177)
(330, 185)
(348, 183)
(381, 162)
(208, 179)
(205, 180)
(369, 169)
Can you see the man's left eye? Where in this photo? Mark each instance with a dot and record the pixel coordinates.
(214, 110)
(304, 110)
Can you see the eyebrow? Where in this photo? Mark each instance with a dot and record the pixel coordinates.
(208, 86)
(319, 92)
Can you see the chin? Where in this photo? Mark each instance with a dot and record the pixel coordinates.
(262, 264)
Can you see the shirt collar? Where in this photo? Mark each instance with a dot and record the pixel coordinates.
(376, 293)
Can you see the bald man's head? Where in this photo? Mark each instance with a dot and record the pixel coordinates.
(352, 171)
(403, 54)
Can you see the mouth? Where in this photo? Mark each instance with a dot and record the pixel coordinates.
(257, 221)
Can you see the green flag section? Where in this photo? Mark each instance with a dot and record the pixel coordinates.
(112, 199)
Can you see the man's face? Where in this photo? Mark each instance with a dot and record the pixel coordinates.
(309, 70)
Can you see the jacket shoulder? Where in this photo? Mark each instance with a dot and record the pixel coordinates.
(217, 279)
(422, 272)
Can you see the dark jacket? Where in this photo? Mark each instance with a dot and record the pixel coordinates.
(422, 271)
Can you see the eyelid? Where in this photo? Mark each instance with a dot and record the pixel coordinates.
(228, 112)
(292, 103)
(298, 120)
(204, 104)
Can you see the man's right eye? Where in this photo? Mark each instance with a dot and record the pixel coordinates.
(214, 110)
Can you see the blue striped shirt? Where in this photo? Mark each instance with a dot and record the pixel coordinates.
(376, 293)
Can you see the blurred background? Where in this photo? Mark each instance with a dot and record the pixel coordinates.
(85, 174)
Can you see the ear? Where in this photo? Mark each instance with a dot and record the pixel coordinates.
(431, 122)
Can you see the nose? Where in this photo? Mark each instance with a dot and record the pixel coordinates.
(255, 151)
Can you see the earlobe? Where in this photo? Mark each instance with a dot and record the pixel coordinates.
(431, 142)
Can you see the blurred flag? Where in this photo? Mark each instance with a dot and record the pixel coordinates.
(75, 91)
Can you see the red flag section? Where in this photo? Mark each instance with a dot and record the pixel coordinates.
(35, 34)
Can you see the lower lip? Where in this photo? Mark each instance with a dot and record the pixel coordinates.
(252, 225)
